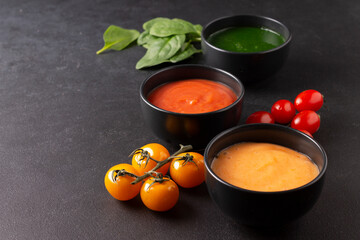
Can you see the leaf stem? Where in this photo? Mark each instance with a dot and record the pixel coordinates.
(102, 50)
(197, 39)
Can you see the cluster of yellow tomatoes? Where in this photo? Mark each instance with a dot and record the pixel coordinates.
(147, 175)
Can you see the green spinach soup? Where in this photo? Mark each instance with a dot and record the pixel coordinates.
(246, 39)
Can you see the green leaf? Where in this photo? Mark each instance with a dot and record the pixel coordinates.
(198, 28)
(195, 36)
(146, 45)
(184, 54)
(163, 38)
(145, 38)
(161, 50)
(168, 27)
(117, 38)
(147, 25)
(194, 28)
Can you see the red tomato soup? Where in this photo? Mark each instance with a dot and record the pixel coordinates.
(192, 96)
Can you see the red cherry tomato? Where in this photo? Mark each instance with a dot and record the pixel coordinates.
(260, 117)
(306, 120)
(309, 100)
(306, 132)
(283, 111)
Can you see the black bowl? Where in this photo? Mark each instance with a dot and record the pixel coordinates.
(257, 208)
(194, 129)
(249, 67)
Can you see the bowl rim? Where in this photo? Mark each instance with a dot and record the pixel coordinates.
(258, 125)
(238, 99)
(287, 41)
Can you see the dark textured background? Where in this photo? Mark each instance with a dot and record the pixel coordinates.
(67, 115)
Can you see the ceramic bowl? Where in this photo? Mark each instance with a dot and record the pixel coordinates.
(194, 129)
(248, 67)
(257, 208)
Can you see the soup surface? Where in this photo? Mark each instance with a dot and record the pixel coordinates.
(192, 96)
(264, 167)
(246, 39)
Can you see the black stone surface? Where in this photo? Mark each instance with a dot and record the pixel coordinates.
(67, 115)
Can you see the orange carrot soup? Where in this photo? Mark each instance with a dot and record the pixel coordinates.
(264, 167)
(192, 96)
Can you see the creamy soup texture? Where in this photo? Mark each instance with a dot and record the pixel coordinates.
(264, 167)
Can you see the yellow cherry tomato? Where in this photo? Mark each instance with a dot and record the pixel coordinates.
(119, 186)
(153, 150)
(159, 196)
(189, 172)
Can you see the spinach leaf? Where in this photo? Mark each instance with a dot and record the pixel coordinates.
(184, 54)
(167, 27)
(118, 38)
(195, 36)
(146, 45)
(198, 28)
(145, 38)
(166, 40)
(161, 50)
(147, 25)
